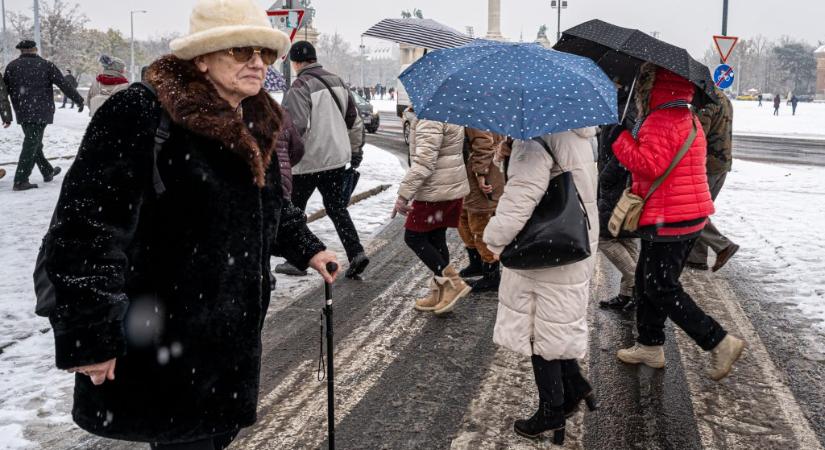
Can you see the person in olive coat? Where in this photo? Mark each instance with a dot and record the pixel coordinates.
(29, 80)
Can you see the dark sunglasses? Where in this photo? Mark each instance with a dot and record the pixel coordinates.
(245, 54)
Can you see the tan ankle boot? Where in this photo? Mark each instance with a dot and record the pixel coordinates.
(649, 355)
(428, 303)
(724, 355)
(453, 289)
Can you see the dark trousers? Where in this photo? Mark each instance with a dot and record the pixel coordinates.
(32, 153)
(431, 248)
(661, 296)
(215, 443)
(67, 99)
(329, 183)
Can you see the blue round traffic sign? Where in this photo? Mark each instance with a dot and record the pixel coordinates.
(723, 76)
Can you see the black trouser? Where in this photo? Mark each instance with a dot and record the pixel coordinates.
(431, 248)
(329, 184)
(214, 443)
(548, 376)
(660, 295)
(32, 153)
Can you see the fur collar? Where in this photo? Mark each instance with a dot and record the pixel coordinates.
(193, 103)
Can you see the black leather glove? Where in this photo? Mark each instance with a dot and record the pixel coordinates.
(356, 160)
(80, 108)
(613, 133)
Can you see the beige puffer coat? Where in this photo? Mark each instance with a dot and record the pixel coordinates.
(544, 311)
(437, 173)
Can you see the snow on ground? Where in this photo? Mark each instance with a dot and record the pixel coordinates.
(809, 121)
(33, 394)
(61, 138)
(776, 213)
(384, 105)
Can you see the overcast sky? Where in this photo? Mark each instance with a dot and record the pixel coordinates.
(676, 23)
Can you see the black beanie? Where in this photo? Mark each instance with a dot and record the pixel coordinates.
(302, 51)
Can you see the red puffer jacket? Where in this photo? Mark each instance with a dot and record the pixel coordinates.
(684, 196)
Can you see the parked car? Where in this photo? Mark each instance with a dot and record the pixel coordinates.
(369, 113)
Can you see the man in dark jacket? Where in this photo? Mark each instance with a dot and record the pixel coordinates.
(71, 81)
(29, 80)
(622, 252)
(325, 124)
(717, 122)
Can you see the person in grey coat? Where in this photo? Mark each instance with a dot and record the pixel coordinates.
(325, 124)
(29, 80)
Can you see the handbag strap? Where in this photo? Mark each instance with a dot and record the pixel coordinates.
(329, 88)
(679, 156)
(556, 161)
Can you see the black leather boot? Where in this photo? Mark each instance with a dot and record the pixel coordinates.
(474, 269)
(618, 302)
(550, 414)
(576, 388)
(490, 280)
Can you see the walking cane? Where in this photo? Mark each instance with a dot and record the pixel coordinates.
(331, 268)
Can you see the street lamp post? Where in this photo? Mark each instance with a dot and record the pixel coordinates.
(37, 24)
(5, 44)
(132, 46)
(559, 5)
(362, 47)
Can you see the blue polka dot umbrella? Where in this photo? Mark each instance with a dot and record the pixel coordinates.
(513, 89)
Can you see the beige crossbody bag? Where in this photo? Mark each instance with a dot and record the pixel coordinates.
(628, 211)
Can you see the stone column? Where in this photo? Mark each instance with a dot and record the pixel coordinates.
(494, 20)
(820, 73)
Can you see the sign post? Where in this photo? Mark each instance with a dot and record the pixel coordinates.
(723, 76)
(288, 21)
(725, 46)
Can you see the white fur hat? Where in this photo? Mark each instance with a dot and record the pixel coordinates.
(222, 24)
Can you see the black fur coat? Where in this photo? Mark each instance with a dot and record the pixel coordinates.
(174, 286)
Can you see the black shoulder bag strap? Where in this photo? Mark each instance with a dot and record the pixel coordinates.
(161, 136)
(556, 160)
(331, 92)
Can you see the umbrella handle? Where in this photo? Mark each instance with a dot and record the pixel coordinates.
(629, 98)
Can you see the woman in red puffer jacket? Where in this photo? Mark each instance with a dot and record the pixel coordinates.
(672, 219)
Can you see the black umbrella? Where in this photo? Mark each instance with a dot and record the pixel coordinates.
(621, 51)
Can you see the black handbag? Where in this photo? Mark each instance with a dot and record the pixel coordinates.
(557, 234)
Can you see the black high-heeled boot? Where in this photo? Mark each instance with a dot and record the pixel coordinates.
(576, 388)
(550, 414)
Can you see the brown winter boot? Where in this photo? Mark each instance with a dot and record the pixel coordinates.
(649, 355)
(453, 289)
(724, 355)
(428, 303)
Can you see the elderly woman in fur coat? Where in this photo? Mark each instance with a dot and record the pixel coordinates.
(543, 313)
(161, 298)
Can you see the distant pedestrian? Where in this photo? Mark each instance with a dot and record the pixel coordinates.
(392, 93)
(431, 197)
(622, 251)
(717, 123)
(486, 187)
(109, 82)
(671, 221)
(368, 94)
(5, 105)
(794, 103)
(759, 97)
(161, 297)
(326, 116)
(70, 81)
(776, 103)
(29, 80)
(542, 313)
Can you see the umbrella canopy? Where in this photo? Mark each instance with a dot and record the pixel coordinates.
(517, 90)
(425, 33)
(274, 81)
(621, 51)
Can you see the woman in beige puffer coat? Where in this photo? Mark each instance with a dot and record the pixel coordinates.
(543, 313)
(435, 184)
